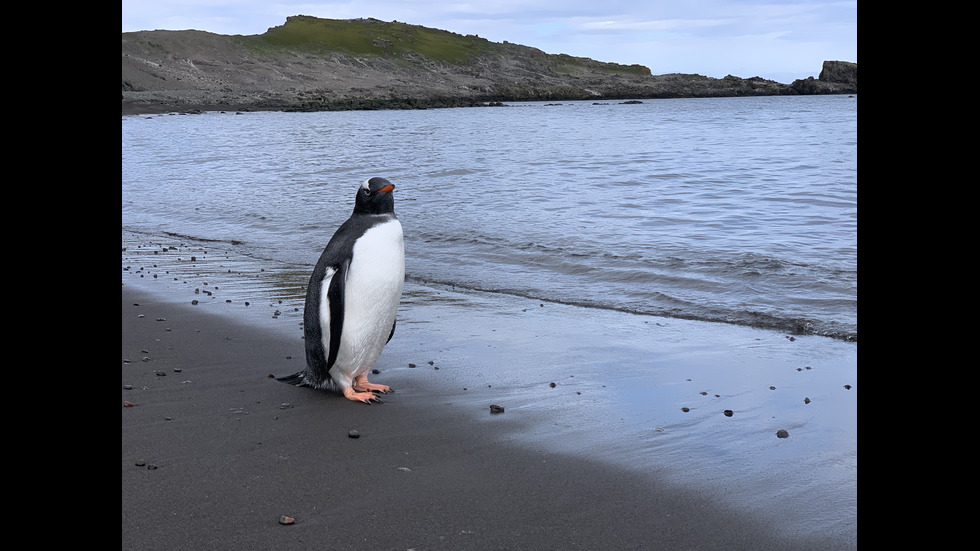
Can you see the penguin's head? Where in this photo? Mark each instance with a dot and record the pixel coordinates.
(374, 197)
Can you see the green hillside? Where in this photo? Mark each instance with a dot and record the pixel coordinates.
(399, 42)
(369, 37)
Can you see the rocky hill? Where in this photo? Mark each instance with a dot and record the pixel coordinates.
(323, 64)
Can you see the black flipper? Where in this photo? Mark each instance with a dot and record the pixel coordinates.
(335, 296)
(318, 360)
(392, 334)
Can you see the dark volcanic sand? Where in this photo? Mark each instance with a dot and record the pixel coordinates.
(215, 453)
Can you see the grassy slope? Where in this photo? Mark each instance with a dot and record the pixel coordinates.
(394, 40)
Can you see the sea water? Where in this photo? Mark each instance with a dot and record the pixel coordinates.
(733, 210)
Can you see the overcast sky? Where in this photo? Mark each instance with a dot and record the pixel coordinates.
(781, 40)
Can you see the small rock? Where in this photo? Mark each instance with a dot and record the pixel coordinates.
(685, 409)
(782, 433)
(552, 385)
(405, 469)
(127, 404)
(354, 434)
(729, 413)
(806, 400)
(286, 520)
(494, 408)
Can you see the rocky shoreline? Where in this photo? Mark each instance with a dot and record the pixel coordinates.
(164, 71)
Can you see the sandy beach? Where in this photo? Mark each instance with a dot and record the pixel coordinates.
(618, 432)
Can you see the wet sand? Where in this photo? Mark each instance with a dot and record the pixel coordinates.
(215, 452)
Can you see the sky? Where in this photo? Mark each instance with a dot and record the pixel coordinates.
(781, 40)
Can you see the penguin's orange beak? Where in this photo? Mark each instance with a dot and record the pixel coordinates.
(389, 187)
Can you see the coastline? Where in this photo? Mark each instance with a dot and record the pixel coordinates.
(596, 461)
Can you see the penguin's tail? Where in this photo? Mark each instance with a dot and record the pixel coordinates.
(297, 379)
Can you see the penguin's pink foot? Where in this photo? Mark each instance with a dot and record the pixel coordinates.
(361, 384)
(366, 397)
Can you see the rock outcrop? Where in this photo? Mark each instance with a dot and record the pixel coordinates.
(841, 72)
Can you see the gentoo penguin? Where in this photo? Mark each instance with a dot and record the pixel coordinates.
(353, 296)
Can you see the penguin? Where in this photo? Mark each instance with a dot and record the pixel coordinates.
(353, 296)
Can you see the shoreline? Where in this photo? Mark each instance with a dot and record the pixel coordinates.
(235, 450)
(176, 105)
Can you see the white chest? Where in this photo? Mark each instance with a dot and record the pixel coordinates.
(378, 263)
(374, 285)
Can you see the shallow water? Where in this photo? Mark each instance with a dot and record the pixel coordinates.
(650, 394)
(736, 210)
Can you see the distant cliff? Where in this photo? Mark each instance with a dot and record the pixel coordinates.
(317, 64)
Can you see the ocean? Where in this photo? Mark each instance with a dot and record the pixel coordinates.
(738, 211)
